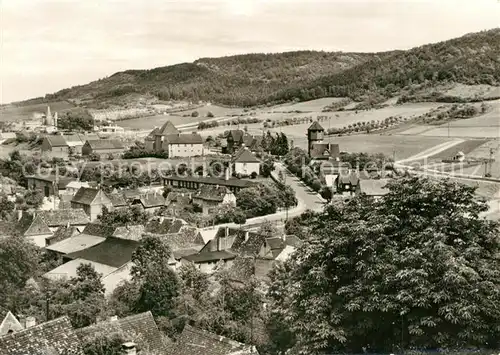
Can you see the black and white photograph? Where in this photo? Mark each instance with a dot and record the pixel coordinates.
(249, 177)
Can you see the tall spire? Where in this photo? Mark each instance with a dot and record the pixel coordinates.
(48, 117)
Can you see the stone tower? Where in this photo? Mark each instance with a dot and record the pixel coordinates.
(315, 134)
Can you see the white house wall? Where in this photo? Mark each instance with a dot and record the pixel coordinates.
(185, 150)
(246, 168)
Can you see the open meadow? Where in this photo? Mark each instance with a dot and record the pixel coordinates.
(20, 113)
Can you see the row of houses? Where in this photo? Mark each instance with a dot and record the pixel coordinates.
(71, 235)
(140, 331)
(110, 250)
(80, 144)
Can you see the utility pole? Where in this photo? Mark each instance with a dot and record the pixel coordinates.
(47, 309)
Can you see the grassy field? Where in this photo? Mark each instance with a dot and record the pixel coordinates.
(16, 113)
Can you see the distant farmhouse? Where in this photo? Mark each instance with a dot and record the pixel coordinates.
(169, 139)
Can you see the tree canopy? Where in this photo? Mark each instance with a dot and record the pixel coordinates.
(416, 269)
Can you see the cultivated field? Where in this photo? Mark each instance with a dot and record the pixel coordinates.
(157, 121)
(399, 147)
(308, 106)
(344, 118)
(179, 118)
(468, 91)
(465, 147)
(17, 113)
(218, 111)
(487, 126)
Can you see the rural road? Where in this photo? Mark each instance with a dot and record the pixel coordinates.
(307, 200)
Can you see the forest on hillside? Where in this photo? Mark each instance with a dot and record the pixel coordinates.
(256, 79)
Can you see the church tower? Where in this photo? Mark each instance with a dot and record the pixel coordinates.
(315, 134)
(48, 117)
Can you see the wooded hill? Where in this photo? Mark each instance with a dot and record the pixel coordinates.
(254, 79)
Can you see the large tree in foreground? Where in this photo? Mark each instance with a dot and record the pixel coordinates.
(417, 269)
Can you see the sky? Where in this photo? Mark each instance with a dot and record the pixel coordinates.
(48, 45)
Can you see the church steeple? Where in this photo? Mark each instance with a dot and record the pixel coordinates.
(48, 117)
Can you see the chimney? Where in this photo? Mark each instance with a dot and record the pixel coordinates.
(129, 348)
(30, 322)
(227, 174)
(22, 320)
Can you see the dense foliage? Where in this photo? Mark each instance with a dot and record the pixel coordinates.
(122, 217)
(77, 119)
(265, 199)
(252, 79)
(417, 269)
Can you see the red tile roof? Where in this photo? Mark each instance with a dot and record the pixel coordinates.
(193, 341)
(138, 328)
(168, 128)
(55, 337)
(245, 156)
(188, 138)
(315, 127)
